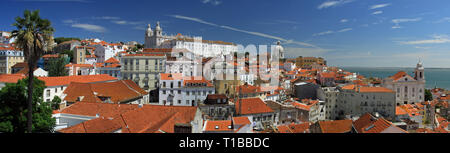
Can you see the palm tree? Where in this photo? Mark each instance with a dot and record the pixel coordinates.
(33, 36)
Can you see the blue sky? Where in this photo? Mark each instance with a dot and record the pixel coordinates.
(374, 33)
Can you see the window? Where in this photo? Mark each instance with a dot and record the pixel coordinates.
(48, 93)
(179, 91)
(171, 84)
(164, 84)
(187, 102)
(179, 83)
(179, 101)
(164, 92)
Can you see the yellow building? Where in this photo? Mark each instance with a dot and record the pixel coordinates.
(227, 87)
(306, 62)
(8, 58)
(143, 69)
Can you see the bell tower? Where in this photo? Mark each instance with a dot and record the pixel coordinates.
(419, 71)
(148, 35)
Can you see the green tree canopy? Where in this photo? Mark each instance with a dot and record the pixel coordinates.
(56, 67)
(34, 36)
(69, 53)
(13, 108)
(59, 40)
(55, 103)
(428, 95)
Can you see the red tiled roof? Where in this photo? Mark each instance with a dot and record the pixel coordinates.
(132, 119)
(66, 80)
(218, 126)
(193, 80)
(246, 89)
(101, 109)
(241, 120)
(294, 128)
(400, 111)
(363, 121)
(305, 106)
(112, 60)
(157, 50)
(11, 78)
(98, 125)
(118, 91)
(338, 126)
(327, 74)
(375, 89)
(399, 75)
(378, 126)
(171, 76)
(252, 106)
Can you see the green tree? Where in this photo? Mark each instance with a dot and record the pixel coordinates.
(56, 67)
(62, 39)
(33, 35)
(13, 108)
(55, 103)
(428, 95)
(69, 53)
(139, 46)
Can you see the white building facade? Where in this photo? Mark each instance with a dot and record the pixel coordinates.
(409, 90)
(205, 48)
(176, 90)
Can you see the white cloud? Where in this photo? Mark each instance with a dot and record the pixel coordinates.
(333, 3)
(213, 2)
(90, 27)
(377, 12)
(68, 21)
(419, 47)
(323, 33)
(345, 30)
(120, 22)
(397, 21)
(446, 19)
(379, 6)
(437, 39)
(106, 18)
(402, 20)
(344, 20)
(332, 32)
(286, 41)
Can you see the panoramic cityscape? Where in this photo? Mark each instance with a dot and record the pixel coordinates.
(177, 66)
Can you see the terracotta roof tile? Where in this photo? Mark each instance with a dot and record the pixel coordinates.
(294, 128)
(252, 106)
(338, 126)
(112, 60)
(11, 78)
(118, 91)
(98, 125)
(218, 126)
(241, 120)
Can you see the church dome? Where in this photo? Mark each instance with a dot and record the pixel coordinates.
(149, 30)
(158, 27)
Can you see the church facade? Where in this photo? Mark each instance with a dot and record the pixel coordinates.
(409, 90)
(205, 48)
